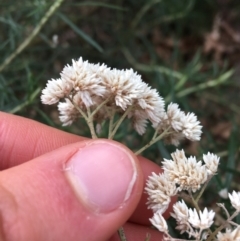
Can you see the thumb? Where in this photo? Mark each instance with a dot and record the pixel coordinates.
(83, 191)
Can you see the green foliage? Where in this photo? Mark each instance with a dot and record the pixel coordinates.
(161, 39)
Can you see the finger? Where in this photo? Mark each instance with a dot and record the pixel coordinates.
(86, 189)
(138, 232)
(142, 214)
(22, 139)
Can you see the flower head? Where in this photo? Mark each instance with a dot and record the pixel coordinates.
(203, 220)
(55, 90)
(179, 125)
(211, 162)
(181, 215)
(125, 86)
(185, 172)
(191, 127)
(159, 190)
(235, 199)
(159, 222)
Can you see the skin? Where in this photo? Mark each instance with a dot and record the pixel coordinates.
(37, 202)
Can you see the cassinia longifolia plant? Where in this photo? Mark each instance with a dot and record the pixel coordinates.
(105, 96)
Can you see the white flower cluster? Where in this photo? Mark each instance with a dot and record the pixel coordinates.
(83, 87)
(188, 220)
(162, 187)
(181, 173)
(180, 125)
(188, 173)
(88, 85)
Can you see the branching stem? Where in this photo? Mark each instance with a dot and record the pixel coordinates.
(154, 140)
(213, 234)
(120, 122)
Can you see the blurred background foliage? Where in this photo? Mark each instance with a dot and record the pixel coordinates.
(188, 49)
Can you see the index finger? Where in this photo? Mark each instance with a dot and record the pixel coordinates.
(22, 139)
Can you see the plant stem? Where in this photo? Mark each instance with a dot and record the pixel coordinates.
(79, 109)
(100, 106)
(88, 118)
(119, 122)
(211, 237)
(154, 140)
(110, 124)
(34, 33)
(195, 203)
(203, 189)
(90, 123)
(121, 234)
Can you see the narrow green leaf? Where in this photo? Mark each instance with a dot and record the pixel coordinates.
(77, 30)
(99, 4)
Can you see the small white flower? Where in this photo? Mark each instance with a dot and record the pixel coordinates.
(159, 190)
(229, 235)
(181, 215)
(179, 125)
(180, 211)
(86, 82)
(125, 86)
(159, 222)
(211, 162)
(68, 113)
(202, 221)
(185, 172)
(151, 103)
(235, 199)
(175, 117)
(192, 129)
(55, 90)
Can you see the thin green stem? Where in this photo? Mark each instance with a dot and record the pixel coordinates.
(158, 138)
(119, 122)
(86, 118)
(110, 128)
(121, 234)
(156, 132)
(90, 124)
(79, 109)
(203, 189)
(99, 107)
(34, 33)
(195, 204)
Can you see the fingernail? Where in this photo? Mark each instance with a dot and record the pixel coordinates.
(102, 175)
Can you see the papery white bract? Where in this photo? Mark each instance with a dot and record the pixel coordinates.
(203, 220)
(56, 90)
(180, 126)
(159, 190)
(211, 162)
(159, 222)
(188, 173)
(181, 215)
(235, 199)
(192, 129)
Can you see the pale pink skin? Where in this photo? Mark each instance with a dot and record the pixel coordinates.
(36, 201)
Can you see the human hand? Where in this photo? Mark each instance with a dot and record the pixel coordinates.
(59, 186)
